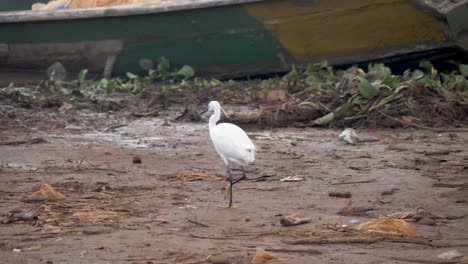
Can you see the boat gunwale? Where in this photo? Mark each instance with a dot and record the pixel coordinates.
(113, 11)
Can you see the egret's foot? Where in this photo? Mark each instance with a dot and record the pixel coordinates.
(227, 206)
(228, 191)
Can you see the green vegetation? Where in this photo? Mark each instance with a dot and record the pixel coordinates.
(323, 95)
(356, 93)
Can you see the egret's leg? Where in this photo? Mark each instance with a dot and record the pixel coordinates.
(244, 176)
(229, 187)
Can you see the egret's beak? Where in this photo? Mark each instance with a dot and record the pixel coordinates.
(204, 111)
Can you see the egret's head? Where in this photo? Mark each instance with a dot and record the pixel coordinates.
(214, 106)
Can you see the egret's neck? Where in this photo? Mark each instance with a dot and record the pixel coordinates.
(214, 118)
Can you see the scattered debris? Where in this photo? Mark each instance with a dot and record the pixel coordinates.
(50, 229)
(389, 140)
(260, 188)
(449, 185)
(427, 221)
(95, 216)
(32, 248)
(295, 250)
(292, 178)
(197, 223)
(190, 176)
(294, 219)
(277, 95)
(189, 114)
(349, 136)
(340, 194)
(46, 192)
(449, 255)
(395, 227)
(65, 107)
(401, 215)
(153, 113)
(37, 140)
(354, 182)
(389, 192)
(220, 259)
(136, 159)
(18, 215)
(262, 256)
(349, 210)
(372, 214)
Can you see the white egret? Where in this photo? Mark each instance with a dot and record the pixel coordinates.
(231, 143)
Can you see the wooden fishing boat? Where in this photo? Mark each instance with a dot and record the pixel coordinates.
(226, 37)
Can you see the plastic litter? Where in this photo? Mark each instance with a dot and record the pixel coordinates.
(349, 136)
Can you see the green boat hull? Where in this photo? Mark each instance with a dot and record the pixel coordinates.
(234, 39)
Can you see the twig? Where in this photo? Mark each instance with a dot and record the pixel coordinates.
(151, 113)
(425, 261)
(197, 223)
(335, 240)
(424, 127)
(305, 250)
(44, 170)
(438, 152)
(115, 126)
(359, 239)
(19, 142)
(12, 143)
(260, 188)
(449, 184)
(102, 169)
(353, 182)
(205, 237)
(128, 259)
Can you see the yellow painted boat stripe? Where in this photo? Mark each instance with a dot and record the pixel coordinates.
(308, 28)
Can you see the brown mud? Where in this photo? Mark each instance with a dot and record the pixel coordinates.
(168, 208)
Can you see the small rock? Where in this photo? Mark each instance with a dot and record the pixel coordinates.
(277, 95)
(389, 192)
(220, 259)
(427, 221)
(57, 71)
(372, 214)
(96, 230)
(454, 216)
(65, 107)
(292, 179)
(263, 256)
(26, 217)
(33, 248)
(294, 219)
(5, 220)
(136, 159)
(354, 211)
(452, 254)
(453, 136)
(340, 194)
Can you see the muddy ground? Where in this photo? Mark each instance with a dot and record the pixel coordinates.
(168, 209)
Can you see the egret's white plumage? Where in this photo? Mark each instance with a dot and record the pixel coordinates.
(231, 143)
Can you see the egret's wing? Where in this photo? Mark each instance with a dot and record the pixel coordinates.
(233, 143)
